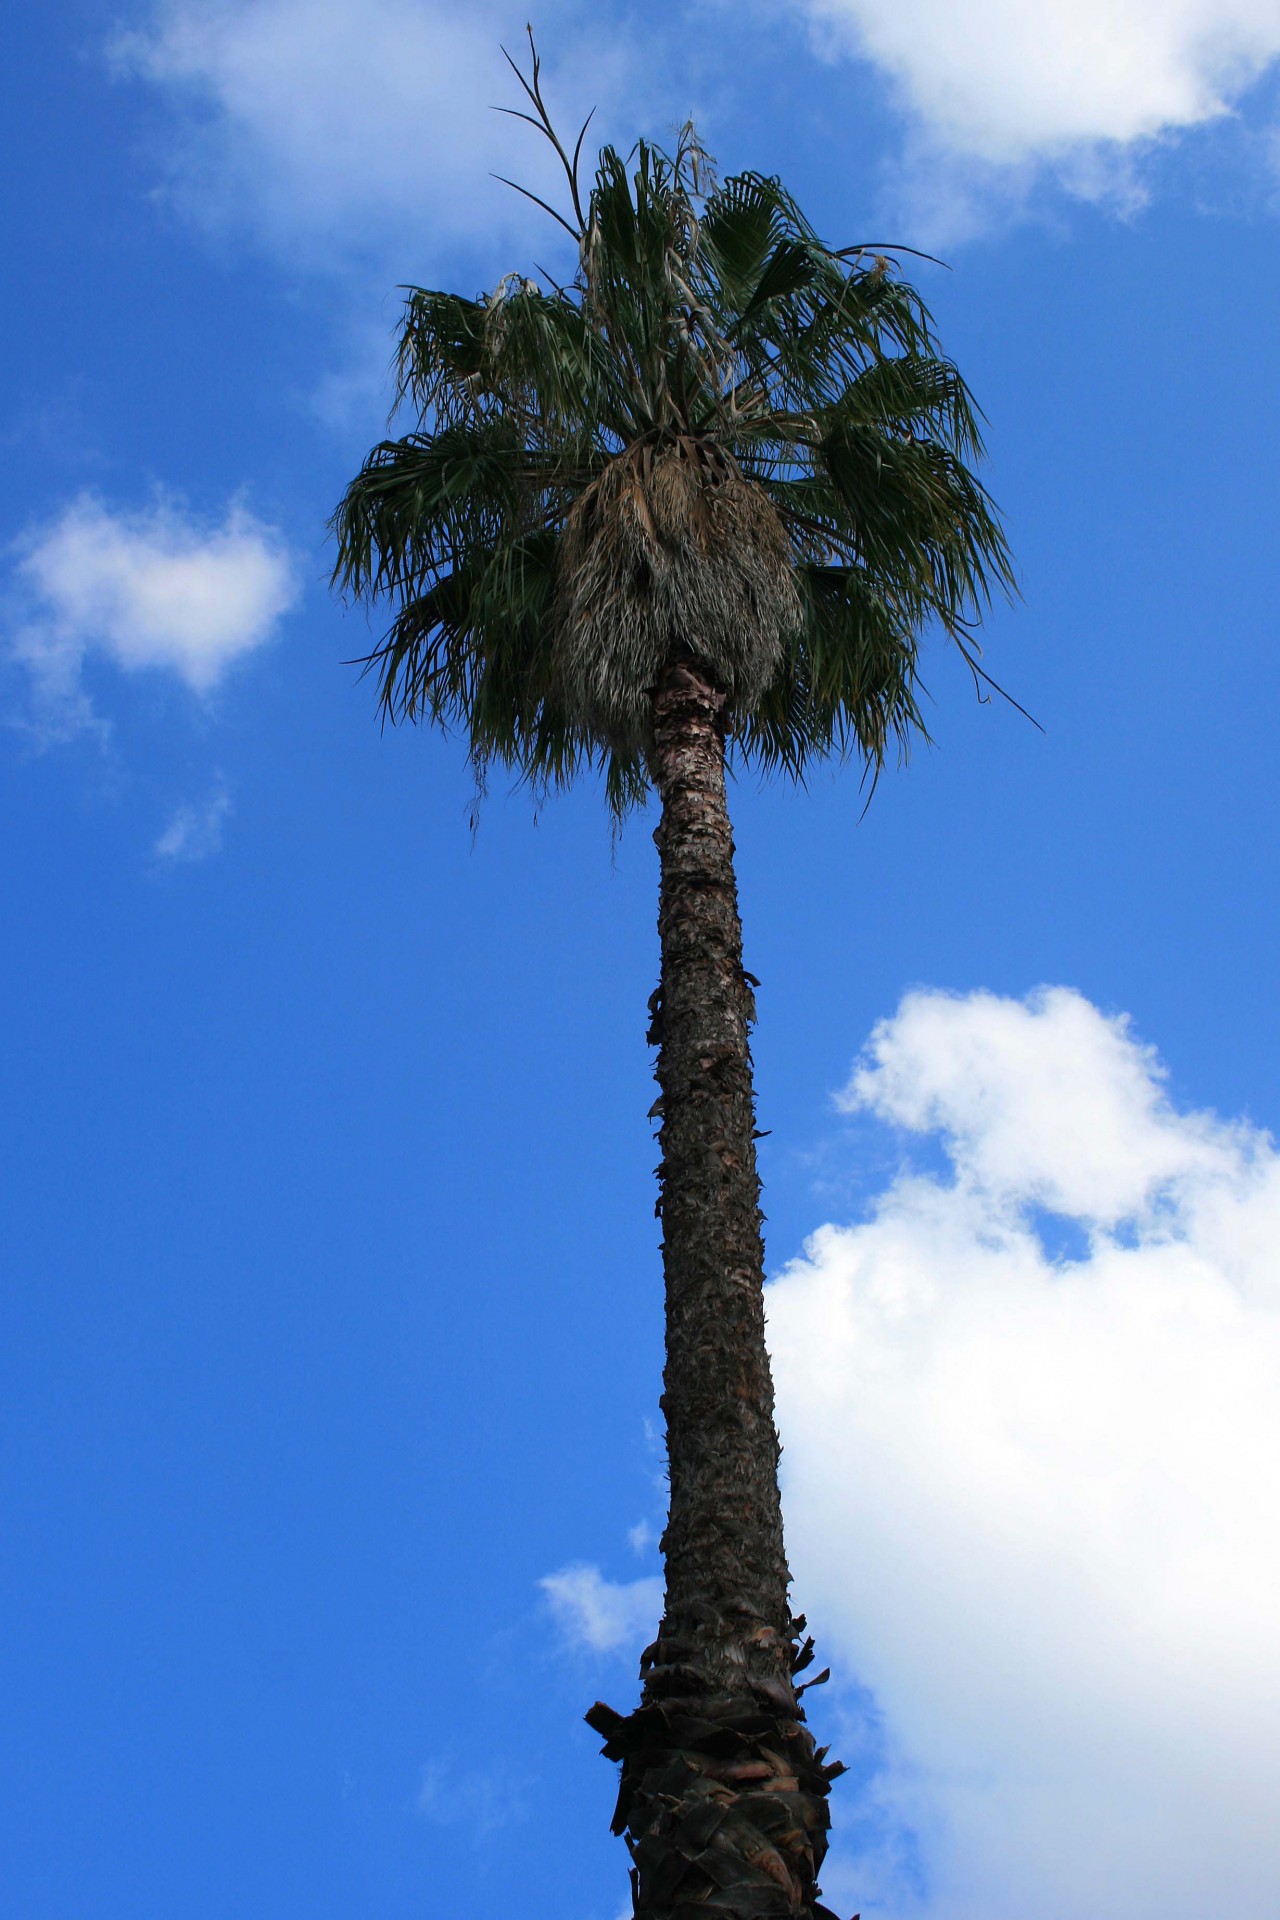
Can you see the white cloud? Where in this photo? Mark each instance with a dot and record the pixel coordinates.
(343, 127)
(150, 590)
(1032, 1499)
(608, 1616)
(326, 121)
(195, 831)
(641, 1537)
(1044, 1100)
(1010, 82)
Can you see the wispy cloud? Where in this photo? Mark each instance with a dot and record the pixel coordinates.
(483, 1803)
(326, 124)
(194, 831)
(642, 1536)
(606, 1616)
(1031, 1423)
(149, 591)
(339, 132)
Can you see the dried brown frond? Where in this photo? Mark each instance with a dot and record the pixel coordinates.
(669, 551)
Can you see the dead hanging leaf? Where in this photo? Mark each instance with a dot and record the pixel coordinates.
(638, 494)
(818, 1680)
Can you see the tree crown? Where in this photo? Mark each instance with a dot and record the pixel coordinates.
(721, 437)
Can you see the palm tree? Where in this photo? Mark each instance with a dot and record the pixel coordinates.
(699, 504)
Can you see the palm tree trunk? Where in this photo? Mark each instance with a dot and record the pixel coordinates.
(723, 1796)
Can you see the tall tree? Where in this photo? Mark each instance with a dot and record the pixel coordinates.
(701, 502)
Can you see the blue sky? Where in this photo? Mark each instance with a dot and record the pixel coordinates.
(331, 1299)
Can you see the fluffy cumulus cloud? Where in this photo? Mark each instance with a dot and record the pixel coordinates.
(1007, 82)
(152, 590)
(328, 122)
(1032, 1492)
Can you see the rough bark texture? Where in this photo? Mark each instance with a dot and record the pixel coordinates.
(723, 1794)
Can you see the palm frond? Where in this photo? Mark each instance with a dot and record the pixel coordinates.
(707, 324)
